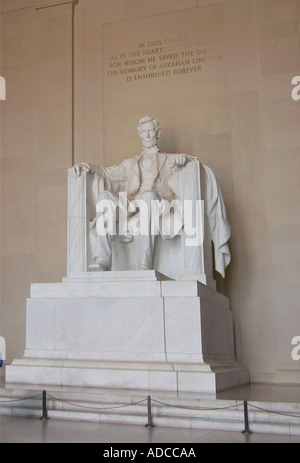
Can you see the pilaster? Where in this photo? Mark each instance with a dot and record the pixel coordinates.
(56, 109)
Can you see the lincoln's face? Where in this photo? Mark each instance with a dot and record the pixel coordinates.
(148, 134)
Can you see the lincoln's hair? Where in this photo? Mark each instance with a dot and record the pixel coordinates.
(145, 119)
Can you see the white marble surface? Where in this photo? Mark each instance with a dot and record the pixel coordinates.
(183, 317)
(96, 289)
(120, 325)
(136, 283)
(123, 376)
(176, 336)
(130, 275)
(77, 224)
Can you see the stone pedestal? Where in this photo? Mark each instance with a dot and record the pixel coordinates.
(129, 329)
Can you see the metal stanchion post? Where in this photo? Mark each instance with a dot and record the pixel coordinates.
(44, 407)
(149, 424)
(246, 419)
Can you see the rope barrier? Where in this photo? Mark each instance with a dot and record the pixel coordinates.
(195, 408)
(149, 401)
(20, 400)
(275, 412)
(96, 408)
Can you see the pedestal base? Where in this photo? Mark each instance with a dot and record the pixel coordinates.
(128, 330)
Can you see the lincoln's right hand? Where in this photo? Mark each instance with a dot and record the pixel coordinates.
(77, 170)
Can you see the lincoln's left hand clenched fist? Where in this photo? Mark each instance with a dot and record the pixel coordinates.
(177, 160)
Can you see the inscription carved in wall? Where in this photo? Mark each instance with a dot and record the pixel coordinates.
(161, 58)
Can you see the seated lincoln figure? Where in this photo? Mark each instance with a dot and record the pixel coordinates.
(144, 177)
(127, 193)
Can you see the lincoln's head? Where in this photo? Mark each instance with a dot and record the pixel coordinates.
(149, 131)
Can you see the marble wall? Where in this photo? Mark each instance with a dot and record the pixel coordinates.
(236, 114)
(36, 150)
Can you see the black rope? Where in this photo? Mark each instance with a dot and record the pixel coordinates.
(21, 399)
(96, 408)
(195, 408)
(273, 411)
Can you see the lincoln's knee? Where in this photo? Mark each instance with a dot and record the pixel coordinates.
(148, 196)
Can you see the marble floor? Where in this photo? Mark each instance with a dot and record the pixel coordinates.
(31, 430)
(262, 393)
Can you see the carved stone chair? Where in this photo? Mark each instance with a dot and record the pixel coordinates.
(172, 258)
